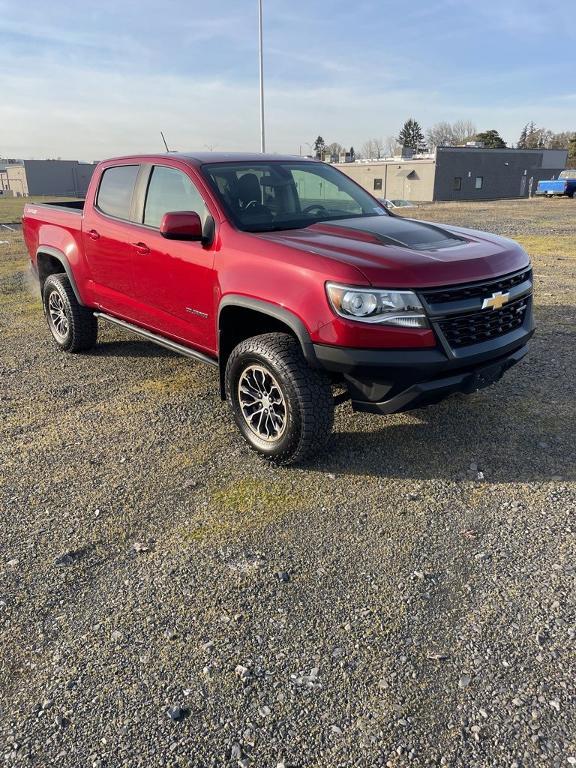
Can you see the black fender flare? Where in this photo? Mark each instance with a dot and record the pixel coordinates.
(282, 314)
(48, 250)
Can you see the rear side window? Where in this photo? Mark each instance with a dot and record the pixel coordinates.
(171, 190)
(115, 192)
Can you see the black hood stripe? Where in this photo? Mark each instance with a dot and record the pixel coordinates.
(403, 233)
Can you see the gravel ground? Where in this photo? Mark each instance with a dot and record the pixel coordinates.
(167, 599)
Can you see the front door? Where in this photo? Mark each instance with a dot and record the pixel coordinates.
(174, 280)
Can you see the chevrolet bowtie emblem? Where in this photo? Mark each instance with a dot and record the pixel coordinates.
(496, 301)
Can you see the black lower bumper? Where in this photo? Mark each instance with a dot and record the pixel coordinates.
(388, 381)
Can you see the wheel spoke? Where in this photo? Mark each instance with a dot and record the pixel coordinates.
(250, 393)
(262, 403)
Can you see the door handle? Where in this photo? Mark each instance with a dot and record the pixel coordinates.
(141, 249)
(93, 234)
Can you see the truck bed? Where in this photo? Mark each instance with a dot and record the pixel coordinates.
(57, 227)
(73, 206)
(560, 186)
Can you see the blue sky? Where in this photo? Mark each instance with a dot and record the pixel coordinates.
(91, 80)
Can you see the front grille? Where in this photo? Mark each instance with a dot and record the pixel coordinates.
(463, 330)
(473, 290)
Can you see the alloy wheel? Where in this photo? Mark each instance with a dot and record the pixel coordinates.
(57, 315)
(262, 403)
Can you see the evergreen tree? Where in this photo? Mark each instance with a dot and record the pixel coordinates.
(411, 136)
(532, 136)
(491, 139)
(352, 154)
(523, 138)
(319, 147)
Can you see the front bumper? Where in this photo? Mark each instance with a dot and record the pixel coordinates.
(388, 381)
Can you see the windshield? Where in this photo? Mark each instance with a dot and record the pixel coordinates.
(266, 196)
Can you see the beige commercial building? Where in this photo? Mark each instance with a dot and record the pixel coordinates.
(395, 179)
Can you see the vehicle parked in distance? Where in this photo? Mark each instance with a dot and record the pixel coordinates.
(563, 186)
(397, 203)
(291, 279)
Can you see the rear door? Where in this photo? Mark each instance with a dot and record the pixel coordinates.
(107, 236)
(174, 280)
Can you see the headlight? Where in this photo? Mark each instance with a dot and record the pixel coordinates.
(367, 305)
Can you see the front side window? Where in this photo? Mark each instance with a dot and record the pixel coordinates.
(115, 191)
(171, 190)
(264, 196)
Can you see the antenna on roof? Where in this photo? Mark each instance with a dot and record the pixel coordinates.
(164, 140)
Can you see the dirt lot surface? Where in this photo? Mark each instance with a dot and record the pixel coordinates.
(167, 599)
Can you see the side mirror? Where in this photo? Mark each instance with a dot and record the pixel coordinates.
(181, 225)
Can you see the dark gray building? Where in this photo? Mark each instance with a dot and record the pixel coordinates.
(476, 173)
(66, 178)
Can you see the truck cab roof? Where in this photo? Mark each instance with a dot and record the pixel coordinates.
(202, 158)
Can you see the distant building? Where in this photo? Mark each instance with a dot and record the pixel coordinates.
(65, 178)
(458, 173)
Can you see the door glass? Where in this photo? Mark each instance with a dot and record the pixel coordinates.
(316, 190)
(171, 190)
(115, 192)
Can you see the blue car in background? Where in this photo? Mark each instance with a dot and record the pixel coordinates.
(564, 185)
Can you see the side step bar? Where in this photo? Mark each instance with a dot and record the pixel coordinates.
(160, 340)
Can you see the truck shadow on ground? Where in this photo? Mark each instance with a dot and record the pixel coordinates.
(131, 347)
(446, 441)
(520, 429)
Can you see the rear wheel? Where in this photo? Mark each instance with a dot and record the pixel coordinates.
(73, 327)
(283, 408)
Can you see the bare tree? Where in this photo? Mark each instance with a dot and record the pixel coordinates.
(335, 148)
(390, 146)
(533, 137)
(446, 134)
(560, 140)
(463, 131)
(373, 149)
(440, 135)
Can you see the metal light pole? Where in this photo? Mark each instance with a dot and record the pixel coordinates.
(262, 131)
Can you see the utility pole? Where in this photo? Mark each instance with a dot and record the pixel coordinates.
(262, 131)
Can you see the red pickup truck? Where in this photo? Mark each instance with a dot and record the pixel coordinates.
(290, 278)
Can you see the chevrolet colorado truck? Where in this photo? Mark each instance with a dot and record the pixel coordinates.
(291, 279)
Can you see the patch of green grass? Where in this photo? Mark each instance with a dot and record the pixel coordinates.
(237, 508)
(250, 495)
(179, 381)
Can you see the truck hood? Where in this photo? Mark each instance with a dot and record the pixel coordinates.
(393, 252)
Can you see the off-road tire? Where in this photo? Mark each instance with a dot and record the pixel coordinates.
(81, 327)
(307, 397)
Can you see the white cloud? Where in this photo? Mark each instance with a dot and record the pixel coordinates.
(86, 114)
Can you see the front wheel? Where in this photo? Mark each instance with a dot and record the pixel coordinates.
(283, 408)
